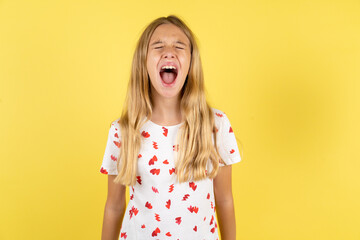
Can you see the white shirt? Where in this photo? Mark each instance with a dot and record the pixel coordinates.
(159, 207)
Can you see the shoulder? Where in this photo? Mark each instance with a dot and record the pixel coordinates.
(219, 116)
(217, 112)
(222, 122)
(115, 126)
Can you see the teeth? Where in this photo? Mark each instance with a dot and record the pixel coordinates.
(168, 67)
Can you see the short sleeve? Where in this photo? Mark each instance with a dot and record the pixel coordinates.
(112, 150)
(225, 140)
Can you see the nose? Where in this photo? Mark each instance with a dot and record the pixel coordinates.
(169, 52)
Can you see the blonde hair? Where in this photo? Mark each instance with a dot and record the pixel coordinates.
(194, 137)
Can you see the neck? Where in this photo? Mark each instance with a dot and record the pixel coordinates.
(166, 111)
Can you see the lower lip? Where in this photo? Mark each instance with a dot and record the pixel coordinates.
(168, 84)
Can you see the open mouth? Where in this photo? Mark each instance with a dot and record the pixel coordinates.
(168, 74)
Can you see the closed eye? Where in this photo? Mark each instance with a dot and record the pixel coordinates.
(158, 47)
(179, 48)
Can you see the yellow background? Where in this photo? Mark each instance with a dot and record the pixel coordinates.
(287, 73)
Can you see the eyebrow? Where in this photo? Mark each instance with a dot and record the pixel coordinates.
(180, 42)
(159, 41)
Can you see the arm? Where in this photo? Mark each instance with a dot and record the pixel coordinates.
(114, 210)
(224, 203)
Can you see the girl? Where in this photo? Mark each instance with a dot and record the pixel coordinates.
(169, 146)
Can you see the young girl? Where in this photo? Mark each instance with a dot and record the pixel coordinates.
(169, 146)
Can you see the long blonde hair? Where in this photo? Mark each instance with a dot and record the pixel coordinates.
(194, 136)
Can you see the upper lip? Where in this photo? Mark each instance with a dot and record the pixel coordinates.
(169, 64)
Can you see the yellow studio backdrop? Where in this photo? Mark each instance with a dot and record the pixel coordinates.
(287, 73)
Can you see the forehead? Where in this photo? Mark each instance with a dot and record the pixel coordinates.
(169, 33)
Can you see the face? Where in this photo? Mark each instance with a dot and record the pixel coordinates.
(168, 61)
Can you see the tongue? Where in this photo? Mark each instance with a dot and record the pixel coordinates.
(168, 77)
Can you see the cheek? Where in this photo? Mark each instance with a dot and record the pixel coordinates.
(150, 67)
(187, 60)
(151, 64)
